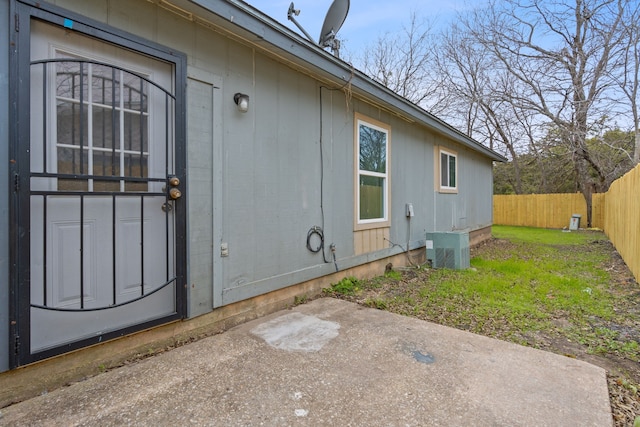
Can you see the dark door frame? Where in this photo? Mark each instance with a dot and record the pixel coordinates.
(22, 12)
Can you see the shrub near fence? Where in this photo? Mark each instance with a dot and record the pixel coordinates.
(617, 212)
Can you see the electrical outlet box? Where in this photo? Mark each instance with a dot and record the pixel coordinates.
(409, 209)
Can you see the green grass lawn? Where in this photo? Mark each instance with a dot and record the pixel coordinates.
(529, 283)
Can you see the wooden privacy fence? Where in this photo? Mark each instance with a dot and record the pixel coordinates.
(617, 212)
(622, 218)
(539, 210)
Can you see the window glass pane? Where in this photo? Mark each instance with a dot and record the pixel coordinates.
(135, 92)
(69, 160)
(135, 165)
(72, 79)
(136, 186)
(103, 88)
(373, 149)
(135, 131)
(444, 166)
(72, 184)
(106, 163)
(106, 127)
(69, 163)
(371, 197)
(69, 123)
(452, 171)
(99, 185)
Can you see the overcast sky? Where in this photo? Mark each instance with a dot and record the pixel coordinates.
(367, 19)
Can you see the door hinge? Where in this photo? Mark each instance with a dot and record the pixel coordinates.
(16, 182)
(16, 19)
(17, 345)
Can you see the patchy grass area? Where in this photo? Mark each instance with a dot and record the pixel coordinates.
(569, 293)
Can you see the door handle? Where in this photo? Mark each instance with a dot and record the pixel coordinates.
(175, 194)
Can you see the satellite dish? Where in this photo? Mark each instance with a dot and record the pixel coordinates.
(332, 23)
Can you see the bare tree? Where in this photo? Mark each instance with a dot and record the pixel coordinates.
(562, 53)
(447, 76)
(518, 71)
(629, 81)
(467, 72)
(461, 74)
(402, 62)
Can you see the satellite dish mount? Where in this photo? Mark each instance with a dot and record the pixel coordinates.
(332, 23)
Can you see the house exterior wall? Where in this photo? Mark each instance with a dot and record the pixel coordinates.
(471, 207)
(259, 181)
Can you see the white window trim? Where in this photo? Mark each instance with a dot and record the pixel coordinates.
(446, 188)
(362, 224)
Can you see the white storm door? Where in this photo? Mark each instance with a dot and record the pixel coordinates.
(102, 227)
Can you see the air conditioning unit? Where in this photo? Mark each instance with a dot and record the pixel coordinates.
(449, 250)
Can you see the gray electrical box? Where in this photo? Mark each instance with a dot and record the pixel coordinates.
(409, 210)
(449, 250)
(574, 224)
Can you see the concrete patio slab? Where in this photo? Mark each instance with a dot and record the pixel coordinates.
(334, 363)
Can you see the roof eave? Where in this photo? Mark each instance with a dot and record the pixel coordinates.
(235, 14)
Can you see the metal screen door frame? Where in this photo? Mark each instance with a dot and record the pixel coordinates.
(22, 176)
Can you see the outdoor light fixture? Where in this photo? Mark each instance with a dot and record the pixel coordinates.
(242, 101)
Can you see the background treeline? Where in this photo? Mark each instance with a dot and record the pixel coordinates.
(551, 84)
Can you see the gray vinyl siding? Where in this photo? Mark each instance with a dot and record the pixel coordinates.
(471, 208)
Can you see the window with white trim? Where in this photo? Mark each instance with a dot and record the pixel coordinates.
(448, 171)
(372, 141)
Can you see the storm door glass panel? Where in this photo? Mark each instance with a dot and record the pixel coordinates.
(102, 127)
